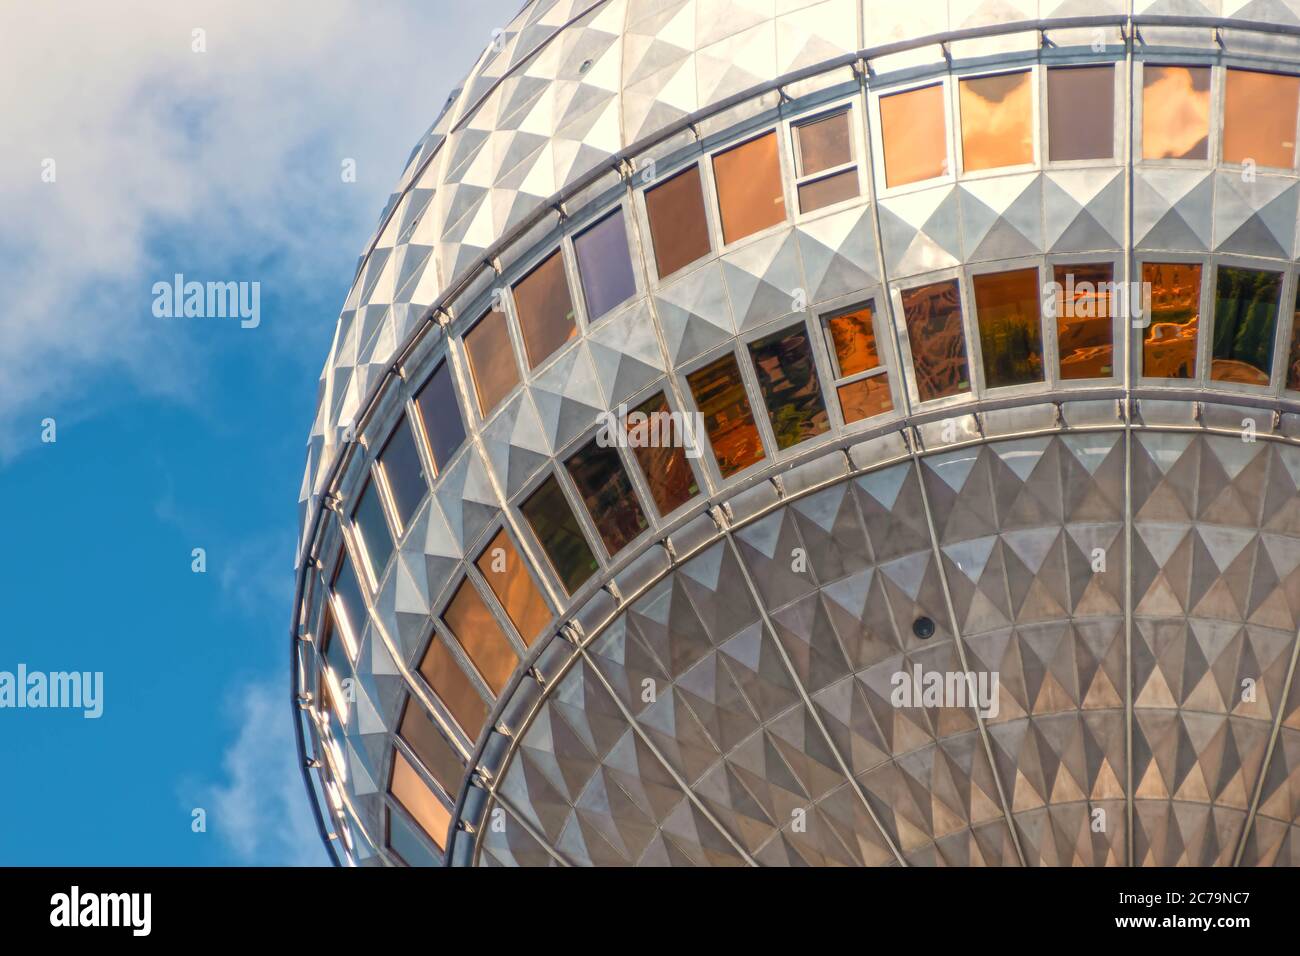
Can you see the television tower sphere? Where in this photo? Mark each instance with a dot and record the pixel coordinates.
(775, 432)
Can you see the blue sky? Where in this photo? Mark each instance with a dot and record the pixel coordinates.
(175, 434)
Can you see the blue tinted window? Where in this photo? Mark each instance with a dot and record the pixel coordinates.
(348, 589)
(440, 416)
(403, 840)
(369, 520)
(605, 265)
(403, 472)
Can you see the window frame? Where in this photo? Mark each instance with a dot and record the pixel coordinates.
(739, 351)
(635, 252)
(436, 630)
(1281, 341)
(1214, 133)
(712, 197)
(519, 272)
(494, 603)
(445, 600)
(416, 385)
(762, 414)
(905, 359)
(1118, 320)
(1118, 92)
(500, 292)
(1205, 307)
(654, 281)
(360, 553)
(1225, 69)
(872, 296)
(975, 345)
(857, 150)
(379, 472)
(639, 481)
(958, 156)
(880, 184)
(554, 467)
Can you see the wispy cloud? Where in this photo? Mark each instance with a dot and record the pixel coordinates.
(164, 158)
(259, 810)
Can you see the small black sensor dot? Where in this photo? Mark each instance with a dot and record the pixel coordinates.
(923, 628)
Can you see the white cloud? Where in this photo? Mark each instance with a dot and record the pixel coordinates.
(260, 810)
(165, 156)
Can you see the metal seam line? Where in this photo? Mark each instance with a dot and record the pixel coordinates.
(960, 644)
(650, 745)
(803, 693)
(1272, 742)
(1128, 330)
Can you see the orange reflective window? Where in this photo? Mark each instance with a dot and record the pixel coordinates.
(934, 332)
(915, 135)
(433, 749)
(507, 575)
(865, 398)
(824, 143)
(1169, 341)
(419, 801)
(545, 310)
(1085, 308)
(854, 340)
(658, 442)
(997, 126)
(491, 360)
(720, 396)
(477, 631)
(1259, 118)
(1010, 324)
(750, 192)
(1175, 112)
(679, 229)
(442, 672)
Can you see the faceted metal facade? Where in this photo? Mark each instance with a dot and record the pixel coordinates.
(770, 737)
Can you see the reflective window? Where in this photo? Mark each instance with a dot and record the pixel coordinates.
(997, 127)
(1010, 324)
(457, 693)
(440, 416)
(1175, 112)
(932, 314)
(377, 540)
(658, 440)
(679, 229)
(481, 637)
(605, 265)
(1169, 341)
(1080, 112)
(491, 361)
(1259, 118)
(545, 309)
(403, 472)
(1293, 361)
(549, 515)
(1085, 308)
(787, 379)
(347, 594)
(1245, 320)
(403, 841)
(424, 738)
(419, 801)
(750, 192)
(914, 132)
(605, 489)
(720, 396)
(338, 655)
(507, 574)
(861, 383)
(824, 161)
